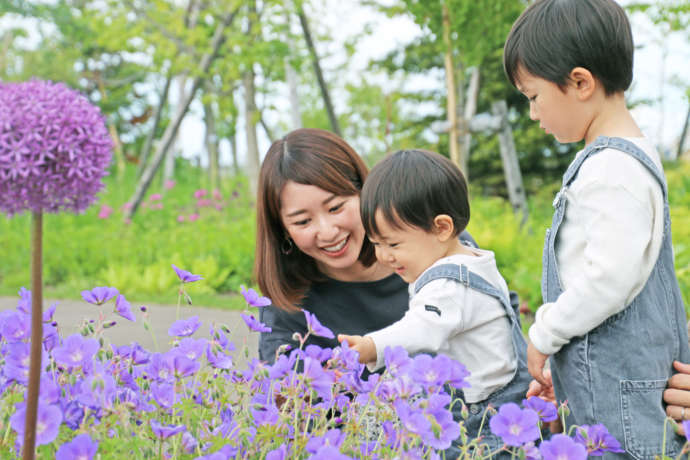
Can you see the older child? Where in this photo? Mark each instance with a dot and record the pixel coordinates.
(414, 205)
(613, 321)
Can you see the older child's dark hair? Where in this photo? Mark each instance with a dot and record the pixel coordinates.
(413, 187)
(552, 37)
(305, 156)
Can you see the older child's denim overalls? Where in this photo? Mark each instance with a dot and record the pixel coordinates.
(616, 373)
(515, 390)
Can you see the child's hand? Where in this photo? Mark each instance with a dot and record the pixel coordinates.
(536, 360)
(363, 345)
(547, 394)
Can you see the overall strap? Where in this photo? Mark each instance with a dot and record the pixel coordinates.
(623, 145)
(462, 274)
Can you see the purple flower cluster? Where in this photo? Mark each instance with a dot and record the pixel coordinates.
(192, 402)
(54, 148)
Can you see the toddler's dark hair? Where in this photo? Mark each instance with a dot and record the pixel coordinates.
(413, 187)
(552, 37)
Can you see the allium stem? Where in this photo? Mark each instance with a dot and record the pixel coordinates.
(36, 334)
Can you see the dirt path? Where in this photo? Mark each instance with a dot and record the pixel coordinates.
(69, 314)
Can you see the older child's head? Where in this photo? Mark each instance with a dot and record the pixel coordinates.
(552, 37)
(414, 204)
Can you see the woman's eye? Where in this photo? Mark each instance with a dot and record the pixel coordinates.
(393, 245)
(301, 222)
(336, 207)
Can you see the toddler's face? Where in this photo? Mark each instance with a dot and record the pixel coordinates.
(407, 250)
(558, 111)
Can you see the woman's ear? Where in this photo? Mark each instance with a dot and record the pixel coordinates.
(443, 227)
(583, 82)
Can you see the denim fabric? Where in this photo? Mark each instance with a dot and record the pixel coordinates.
(513, 391)
(616, 373)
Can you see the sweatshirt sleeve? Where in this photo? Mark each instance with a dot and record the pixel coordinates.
(617, 231)
(433, 316)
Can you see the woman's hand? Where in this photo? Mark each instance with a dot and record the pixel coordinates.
(365, 346)
(547, 394)
(677, 395)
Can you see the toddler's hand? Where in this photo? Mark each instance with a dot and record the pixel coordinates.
(536, 360)
(363, 345)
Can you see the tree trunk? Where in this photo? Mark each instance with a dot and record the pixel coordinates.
(251, 114)
(211, 142)
(171, 131)
(319, 75)
(293, 94)
(148, 143)
(451, 105)
(470, 110)
(683, 134)
(233, 152)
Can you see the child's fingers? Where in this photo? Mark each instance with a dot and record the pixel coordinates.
(535, 389)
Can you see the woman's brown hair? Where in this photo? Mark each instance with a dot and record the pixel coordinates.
(310, 157)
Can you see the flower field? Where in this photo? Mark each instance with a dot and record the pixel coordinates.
(99, 401)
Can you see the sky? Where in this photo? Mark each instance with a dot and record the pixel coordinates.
(660, 60)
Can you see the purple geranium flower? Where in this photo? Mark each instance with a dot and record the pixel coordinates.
(191, 348)
(597, 439)
(166, 431)
(15, 326)
(48, 422)
(397, 360)
(75, 351)
(278, 454)
(546, 410)
(54, 148)
(253, 298)
(185, 276)
(428, 371)
(99, 295)
(686, 428)
(164, 394)
(562, 447)
(184, 327)
(82, 447)
(316, 328)
(183, 366)
(254, 324)
(124, 308)
(333, 437)
(514, 425)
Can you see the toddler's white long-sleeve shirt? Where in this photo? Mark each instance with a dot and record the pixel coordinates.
(607, 244)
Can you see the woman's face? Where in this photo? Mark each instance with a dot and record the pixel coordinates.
(325, 226)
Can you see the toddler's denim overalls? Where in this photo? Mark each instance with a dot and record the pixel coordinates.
(515, 390)
(616, 373)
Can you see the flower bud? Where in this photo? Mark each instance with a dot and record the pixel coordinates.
(563, 410)
(143, 309)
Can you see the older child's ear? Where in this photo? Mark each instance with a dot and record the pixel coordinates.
(443, 227)
(583, 82)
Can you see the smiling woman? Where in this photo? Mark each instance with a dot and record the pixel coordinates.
(311, 250)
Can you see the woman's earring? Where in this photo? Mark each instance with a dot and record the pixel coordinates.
(286, 246)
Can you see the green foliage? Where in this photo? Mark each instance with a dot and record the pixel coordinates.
(83, 251)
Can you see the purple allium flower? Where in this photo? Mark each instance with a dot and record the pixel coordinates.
(253, 298)
(597, 439)
(82, 447)
(48, 422)
(316, 328)
(124, 308)
(546, 410)
(184, 327)
(54, 148)
(166, 431)
(254, 324)
(75, 351)
(185, 276)
(99, 295)
(514, 425)
(562, 447)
